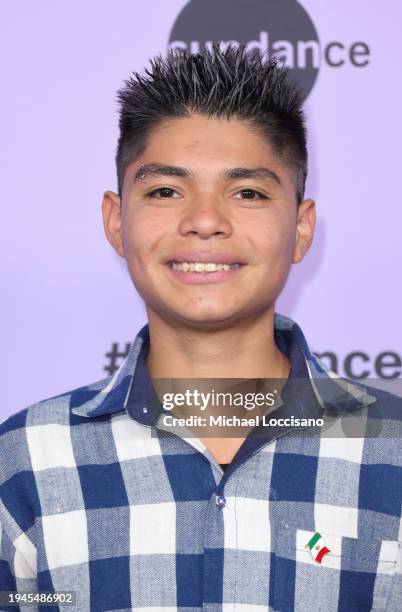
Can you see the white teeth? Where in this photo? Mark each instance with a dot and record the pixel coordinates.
(202, 267)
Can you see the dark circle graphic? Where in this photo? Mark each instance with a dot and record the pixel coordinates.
(280, 27)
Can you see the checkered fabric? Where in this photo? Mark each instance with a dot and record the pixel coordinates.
(96, 498)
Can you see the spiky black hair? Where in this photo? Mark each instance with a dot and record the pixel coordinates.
(230, 84)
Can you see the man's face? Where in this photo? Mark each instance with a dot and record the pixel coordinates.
(208, 191)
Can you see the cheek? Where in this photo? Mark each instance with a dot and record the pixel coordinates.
(142, 234)
(275, 244)
(275, 237)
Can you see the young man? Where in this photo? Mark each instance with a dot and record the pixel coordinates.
(96, 496)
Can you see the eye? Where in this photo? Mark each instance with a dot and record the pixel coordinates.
(162, 193)
(249, 194)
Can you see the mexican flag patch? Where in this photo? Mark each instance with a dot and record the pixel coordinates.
(317, 547)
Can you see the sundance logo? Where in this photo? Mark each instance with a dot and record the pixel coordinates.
(277, 28)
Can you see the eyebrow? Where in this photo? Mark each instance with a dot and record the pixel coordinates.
(260, 172)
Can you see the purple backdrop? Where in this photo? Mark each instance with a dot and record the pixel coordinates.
(66, 295)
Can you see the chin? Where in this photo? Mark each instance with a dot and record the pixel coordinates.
(207, 318)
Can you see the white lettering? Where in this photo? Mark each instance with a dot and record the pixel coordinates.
(261, 45)
(304, 54)
(303, 46)
(284, 51)
(178, 44)
(224, 44)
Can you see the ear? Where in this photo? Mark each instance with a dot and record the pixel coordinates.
(306, 218)
(111, 212)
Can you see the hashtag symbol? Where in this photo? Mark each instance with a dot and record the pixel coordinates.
(115, 356)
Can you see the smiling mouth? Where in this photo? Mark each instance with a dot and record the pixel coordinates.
(202, 268)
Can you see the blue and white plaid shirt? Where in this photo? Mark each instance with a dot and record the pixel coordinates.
(95, 498)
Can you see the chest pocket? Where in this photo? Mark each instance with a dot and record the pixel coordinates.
(355, 576)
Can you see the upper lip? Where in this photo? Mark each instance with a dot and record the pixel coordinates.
(203, 257)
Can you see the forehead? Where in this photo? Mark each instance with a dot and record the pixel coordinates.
(201, 133)
(210, 145)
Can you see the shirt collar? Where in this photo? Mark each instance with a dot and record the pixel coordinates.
(131, 388)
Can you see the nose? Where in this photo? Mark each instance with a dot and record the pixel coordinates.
(205, 218)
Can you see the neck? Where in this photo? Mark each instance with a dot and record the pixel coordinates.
(244, 350)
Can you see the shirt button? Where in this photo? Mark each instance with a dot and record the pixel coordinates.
(220, 501)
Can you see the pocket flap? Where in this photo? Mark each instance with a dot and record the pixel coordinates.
(351, 553)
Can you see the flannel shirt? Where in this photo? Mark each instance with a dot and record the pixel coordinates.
(95, 498)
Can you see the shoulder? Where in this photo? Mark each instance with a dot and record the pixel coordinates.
(52, 413)
(370, 429)
(382, 404)
(375, 400)
(32, 440)
(54, 409)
